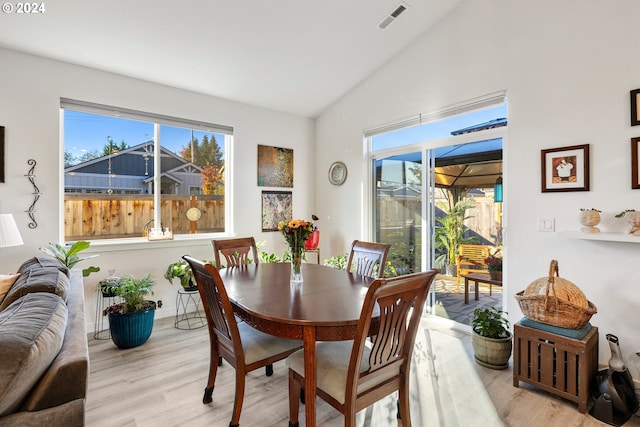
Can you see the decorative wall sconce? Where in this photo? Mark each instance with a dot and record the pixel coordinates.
(36, 193)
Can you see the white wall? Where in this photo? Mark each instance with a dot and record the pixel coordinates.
(567, 68)
(30, 92)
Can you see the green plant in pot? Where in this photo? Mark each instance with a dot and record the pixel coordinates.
(450, 234)
(68, 255)
(494, 265)
(131, 320)
(181, 270)
(491, 339)
(108, 286)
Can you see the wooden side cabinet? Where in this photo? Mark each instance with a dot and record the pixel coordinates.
(557, 364)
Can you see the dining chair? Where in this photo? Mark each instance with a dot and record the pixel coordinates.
(368, 258)
(352, 375)
(235, 251)
(243, 347)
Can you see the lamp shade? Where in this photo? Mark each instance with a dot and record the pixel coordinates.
(9, 233)
(497, 190)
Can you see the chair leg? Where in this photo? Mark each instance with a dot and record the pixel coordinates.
(294, 399)
(213, 370)
(403, 406)
(269, 370)
(219, 360)
(239, 398)
(208, 395)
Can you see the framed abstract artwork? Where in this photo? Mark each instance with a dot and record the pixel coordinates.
(635, 113)
(276, 206)
(275, 166)
(635, 174)
(565, 169)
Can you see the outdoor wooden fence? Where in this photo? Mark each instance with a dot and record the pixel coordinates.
(104, 216)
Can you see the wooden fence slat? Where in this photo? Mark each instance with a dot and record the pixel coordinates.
(102, 216)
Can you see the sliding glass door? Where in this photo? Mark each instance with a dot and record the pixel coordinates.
(398, 216)
(433, 188)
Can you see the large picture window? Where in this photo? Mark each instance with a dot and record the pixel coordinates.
(128, 172)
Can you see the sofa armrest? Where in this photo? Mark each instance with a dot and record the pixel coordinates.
(67, 377)
(70, 414)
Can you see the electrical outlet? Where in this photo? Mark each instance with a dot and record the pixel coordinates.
(546, 224)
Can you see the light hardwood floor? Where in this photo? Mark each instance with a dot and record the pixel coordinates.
(161, 384)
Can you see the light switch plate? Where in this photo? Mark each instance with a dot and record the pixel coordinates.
(546, 224)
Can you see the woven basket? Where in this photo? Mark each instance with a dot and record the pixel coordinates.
(556, 301)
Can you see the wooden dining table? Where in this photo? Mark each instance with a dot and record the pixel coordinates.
(326, 306)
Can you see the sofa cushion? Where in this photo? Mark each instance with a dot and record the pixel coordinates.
(6, 281)
(40, 262)
(32, 330)
(41, 279)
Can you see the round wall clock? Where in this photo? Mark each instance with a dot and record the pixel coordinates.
(337, 173)
(193, 214)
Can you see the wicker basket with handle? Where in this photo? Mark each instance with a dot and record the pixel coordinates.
(556, 301)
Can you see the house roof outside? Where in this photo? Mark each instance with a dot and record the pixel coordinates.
(132, 170)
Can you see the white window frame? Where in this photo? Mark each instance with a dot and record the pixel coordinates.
(157, 120)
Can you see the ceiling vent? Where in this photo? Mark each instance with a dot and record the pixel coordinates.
(399, 10)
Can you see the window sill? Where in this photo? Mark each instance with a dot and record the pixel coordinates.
(139, 243)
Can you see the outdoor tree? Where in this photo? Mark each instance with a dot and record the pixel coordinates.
(111, 148)
(71, 160)
(208, 155)
(213, 180)
(205, 152)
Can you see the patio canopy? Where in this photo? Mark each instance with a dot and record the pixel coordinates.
(472, 165)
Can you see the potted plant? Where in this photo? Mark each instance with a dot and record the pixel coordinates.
(68, 255)
(131, 320)
(182, 271)
(589, 218)
(338, 261)
(491, 339)
(108, 285)
(449, 235)
(633, 219)
(494, 265)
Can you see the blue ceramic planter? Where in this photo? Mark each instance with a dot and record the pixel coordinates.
(131, 329)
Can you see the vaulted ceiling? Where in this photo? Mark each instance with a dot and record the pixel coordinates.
(296, 56)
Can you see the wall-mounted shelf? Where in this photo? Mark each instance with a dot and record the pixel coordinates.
(606, 237)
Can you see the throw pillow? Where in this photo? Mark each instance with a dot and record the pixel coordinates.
(6, 281)
(44, 279)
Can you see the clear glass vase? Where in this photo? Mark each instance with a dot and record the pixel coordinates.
(296, 264)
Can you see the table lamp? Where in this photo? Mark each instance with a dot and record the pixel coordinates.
(9, 233)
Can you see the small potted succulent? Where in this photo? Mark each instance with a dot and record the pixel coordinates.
(491, 339)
